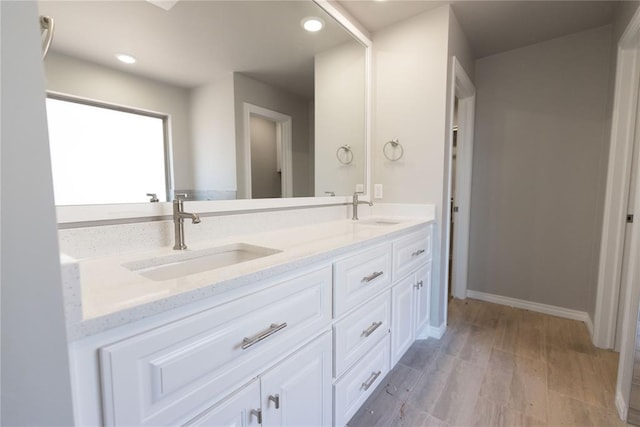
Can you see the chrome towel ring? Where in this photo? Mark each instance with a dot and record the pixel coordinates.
(393, 150)
(344, 154)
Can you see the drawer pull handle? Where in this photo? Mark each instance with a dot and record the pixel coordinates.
(370, 329)
(420, 284)
(275, 399)
(248, 342)
(372, 276)
(418, 252)
(372, 379)
(258, 414)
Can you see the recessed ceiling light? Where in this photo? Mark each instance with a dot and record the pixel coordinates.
(127, 59)
(164, 4)
(312, 24)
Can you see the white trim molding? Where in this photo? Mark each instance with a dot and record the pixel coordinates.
(617, 190)
(621, 406)
(465, 91)
(434, 331)
(552, 310)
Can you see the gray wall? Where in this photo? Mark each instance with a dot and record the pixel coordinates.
(340, 90)
(213, 135)
(36, 388)
(263, 95)
(538, 170)
(410, 103)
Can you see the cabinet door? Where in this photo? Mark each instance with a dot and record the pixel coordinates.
(402, 317)
(423, 299)
(234, 411)
(297, 392)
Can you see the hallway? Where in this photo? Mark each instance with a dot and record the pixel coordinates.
(498, 366)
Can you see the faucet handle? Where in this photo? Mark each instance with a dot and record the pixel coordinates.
(181, 196)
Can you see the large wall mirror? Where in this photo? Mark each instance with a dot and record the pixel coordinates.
(226, 100)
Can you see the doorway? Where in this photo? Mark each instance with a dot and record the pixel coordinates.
(267, 153)
(619, 266)
(463, 96)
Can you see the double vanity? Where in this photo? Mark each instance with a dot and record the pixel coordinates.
(295, 326)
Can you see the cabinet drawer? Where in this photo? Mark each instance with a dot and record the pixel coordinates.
(360, 277)
(162, 375)
(410, 252)
(356, 386)
(358, 332)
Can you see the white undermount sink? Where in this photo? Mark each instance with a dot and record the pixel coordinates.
(378, 221)
(191, 262)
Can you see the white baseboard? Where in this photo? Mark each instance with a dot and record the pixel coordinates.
(621, 406)
(435, 331)
(553, 310)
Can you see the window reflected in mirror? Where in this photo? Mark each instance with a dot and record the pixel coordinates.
(105, 154)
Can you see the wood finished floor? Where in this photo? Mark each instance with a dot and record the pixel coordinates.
(498, 366)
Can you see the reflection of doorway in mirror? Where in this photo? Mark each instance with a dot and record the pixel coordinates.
(267, 148)
(266, 180)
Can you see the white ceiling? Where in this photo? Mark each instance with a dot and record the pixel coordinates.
(196, 41)
(493, 26)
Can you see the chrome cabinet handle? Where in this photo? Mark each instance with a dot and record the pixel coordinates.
(372, 276)
(275, 399)
(248, 342)
(372, 379)
(420, 284)
(257, 413)
(370, 329)
(418, 252)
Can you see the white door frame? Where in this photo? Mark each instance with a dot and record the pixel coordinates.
(612, 293)
(617, 191)
(465, 91)
(283, 135)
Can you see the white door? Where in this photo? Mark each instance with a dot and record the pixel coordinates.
(297, 392)
(238, 410)
(402, 317)
(422, 292)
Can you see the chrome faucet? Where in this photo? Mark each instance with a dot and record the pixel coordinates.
(178, 221)
(355, 204)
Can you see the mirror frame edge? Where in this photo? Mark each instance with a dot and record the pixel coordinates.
(86, 215)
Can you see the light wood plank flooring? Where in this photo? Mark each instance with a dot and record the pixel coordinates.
(498, 366)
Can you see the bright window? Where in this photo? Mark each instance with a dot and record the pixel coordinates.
(100, 154)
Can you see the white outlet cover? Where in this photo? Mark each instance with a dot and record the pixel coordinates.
(377, 189)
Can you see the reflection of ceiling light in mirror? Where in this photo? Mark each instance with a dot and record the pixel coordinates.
(312, 24)
(164, 4)
(127, 59)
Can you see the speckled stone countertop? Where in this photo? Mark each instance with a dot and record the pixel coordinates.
(101, 293)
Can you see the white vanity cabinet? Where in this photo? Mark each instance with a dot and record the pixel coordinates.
(296, 392)
(410, 295)
(162, 376)
(305, 348)
(410, 307)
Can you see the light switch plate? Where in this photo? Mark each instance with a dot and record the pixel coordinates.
(377, 189)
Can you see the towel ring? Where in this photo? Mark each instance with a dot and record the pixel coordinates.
(395, 144)
(345, 158)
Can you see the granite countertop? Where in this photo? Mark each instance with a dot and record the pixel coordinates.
(102, 293)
